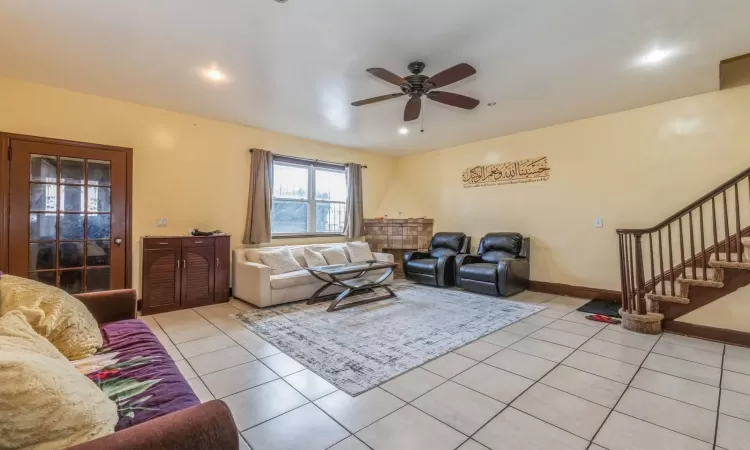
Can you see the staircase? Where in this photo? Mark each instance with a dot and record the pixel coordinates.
(667, 270)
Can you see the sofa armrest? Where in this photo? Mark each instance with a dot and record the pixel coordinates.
(382, 257)
(252, 283)
(111, 306)
(414, 254)
(209, 426)
(512, 276)
(462, 259)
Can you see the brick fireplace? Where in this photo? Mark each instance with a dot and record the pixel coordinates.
(396, 236)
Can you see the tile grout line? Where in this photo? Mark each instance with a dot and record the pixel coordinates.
(718, 405)
(510, 404)
(591, 442)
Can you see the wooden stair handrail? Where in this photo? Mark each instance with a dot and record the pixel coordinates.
(724, 186)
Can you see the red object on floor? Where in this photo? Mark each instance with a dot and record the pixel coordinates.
(601, 318)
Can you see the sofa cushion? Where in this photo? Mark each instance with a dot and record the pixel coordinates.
(280, 261)
(427, 266)
(290, 279)
(495, 247)
(335, 255)
(314, 258)
(446, 244)
(53, 313)
(44, 401)
(359, 251)
(135, 371)
(481, 272)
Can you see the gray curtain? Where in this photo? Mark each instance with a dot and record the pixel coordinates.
(355, 220)
(258, 224)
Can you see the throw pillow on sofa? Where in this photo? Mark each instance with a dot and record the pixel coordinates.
(53, 313)
(335, 255)
(44, 402)
(280, 261)
(313, 258)
(359, 251)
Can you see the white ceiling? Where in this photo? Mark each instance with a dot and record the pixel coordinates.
(295, 67)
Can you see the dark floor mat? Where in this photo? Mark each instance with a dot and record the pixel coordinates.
(603, 307)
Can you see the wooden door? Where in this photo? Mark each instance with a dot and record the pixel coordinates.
(161, 279)
(221, 284)
(68, 214)
(198, 266)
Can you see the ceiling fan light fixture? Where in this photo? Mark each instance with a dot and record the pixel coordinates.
(403, 131)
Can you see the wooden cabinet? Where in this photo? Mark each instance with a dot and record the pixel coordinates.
(184, 272)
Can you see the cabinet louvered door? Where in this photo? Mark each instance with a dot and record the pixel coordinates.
(198, 264)
(161, 280)
(221, 284)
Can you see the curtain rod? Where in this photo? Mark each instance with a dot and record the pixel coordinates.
(312, 160)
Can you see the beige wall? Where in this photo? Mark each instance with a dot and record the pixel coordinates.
(632, 168)
(730, 311)
(191, 170)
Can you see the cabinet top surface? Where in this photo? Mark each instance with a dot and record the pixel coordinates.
(185, 236)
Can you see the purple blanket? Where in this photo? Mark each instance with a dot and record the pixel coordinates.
(137, 373)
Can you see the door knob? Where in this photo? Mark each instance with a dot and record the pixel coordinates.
(118, 241)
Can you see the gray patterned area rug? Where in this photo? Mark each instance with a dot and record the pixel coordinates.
(359, 348)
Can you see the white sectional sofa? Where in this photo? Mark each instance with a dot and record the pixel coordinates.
(254, 283)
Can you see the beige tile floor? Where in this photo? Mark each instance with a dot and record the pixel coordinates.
(553, 380)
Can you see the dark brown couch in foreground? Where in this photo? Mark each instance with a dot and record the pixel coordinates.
(208, 426)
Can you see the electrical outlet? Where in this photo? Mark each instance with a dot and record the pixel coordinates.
(161, 222)
(598, 222)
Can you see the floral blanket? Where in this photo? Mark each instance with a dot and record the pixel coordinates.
(137, 373)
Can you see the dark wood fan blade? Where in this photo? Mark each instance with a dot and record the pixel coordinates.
(377, 99)
(451, 99)
(413, 108)
(388, 76)
(449, 76)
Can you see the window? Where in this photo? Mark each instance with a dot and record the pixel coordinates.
(308, 198)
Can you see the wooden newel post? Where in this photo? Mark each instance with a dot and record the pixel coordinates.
(640, 282)
(623, 276)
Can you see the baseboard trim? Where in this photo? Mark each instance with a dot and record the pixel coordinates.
(574, 291)
(710, 333)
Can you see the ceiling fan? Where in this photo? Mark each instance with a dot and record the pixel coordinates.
(417, 85)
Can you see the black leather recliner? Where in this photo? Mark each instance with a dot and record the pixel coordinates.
(437, 266)
(500, 267)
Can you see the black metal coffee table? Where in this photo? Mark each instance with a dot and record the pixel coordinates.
(331, 275)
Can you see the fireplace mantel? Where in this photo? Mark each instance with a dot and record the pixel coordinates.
(396, 236)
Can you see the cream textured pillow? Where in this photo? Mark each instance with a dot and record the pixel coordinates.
(313, 258)
(335, 255)
(45, 403)
(359, 251)
(280, 261)
(53, 313)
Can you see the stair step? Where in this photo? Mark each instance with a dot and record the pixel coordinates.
(712, 277)
(733, 263)
(677, 293)
(667, 298)
(745, 241)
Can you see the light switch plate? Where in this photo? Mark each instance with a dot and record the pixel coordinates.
(161, 221)
(598, 222)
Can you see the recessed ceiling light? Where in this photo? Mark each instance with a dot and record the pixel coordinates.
(491, 103)
(403, 130)
(213, 74)
(655, 56)
(280, 1)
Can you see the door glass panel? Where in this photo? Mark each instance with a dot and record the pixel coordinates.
(97, 253)
(42, 255)
(98, 227)
(42, 227)
(71, 227)
(97, 279)
(71, 254)
(99, 199)
(71, 198)
(49, 277)
(71, 281)
(43, 197)
(99, 173)
(44, 168)
(71, 170)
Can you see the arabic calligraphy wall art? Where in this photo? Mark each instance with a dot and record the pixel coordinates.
(524, 171)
